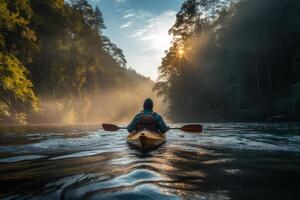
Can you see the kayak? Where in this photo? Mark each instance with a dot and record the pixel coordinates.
(146, 140)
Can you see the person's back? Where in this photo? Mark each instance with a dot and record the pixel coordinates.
(147, 119)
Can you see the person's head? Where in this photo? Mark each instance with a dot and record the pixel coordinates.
(148, 104)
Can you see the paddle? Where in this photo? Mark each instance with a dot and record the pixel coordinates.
(192, 128)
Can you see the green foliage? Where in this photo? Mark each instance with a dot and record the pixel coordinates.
(17, 45)
(4, 110)
(55, 49)
(14, 83)
(76, 56)
(241, 60)
(13, 79)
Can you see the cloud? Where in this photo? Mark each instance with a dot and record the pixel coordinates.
(128, 15)
(150, 48)
(151, 33)
(126, 25)
(136, 34)
(128, 11)
(144, 36)
(154, 34)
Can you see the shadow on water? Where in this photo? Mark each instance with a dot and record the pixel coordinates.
(227, 161)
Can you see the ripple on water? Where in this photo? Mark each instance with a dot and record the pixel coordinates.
(83, 154)
(20, 158)
(90, 164)
(141, 192)
(123, 182)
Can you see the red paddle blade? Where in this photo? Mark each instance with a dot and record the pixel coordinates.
(192, 128)
(110, 127)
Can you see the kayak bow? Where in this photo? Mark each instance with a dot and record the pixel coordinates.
(146, 140)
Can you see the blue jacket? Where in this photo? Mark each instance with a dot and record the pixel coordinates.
(162, 127)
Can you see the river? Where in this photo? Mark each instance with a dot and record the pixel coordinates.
(226, 161)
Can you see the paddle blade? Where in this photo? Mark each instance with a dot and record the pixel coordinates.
(192, 128)
(110, 127)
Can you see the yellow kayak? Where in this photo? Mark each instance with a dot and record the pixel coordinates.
(146, 140)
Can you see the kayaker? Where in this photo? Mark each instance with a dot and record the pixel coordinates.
(147, 119)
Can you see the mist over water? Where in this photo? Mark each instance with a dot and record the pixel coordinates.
(113, 105)
(226, 161)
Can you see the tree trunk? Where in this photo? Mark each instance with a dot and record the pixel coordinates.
(257, 72)
(268, 70)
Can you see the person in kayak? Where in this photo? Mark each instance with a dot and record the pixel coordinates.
(147, 119)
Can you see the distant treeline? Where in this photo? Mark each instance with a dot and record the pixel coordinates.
(54, 51)
(233, 61)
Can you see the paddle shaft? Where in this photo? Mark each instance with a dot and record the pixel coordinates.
(170, 128)
(192, 128)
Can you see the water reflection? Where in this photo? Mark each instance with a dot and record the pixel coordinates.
(229, 161)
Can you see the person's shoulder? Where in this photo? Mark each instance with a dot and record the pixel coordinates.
(138, 114)
(157, 115)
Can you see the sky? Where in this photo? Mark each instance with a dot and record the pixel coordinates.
(140, 28)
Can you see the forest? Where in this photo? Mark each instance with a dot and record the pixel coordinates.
(230, 60)
(233, 60)
(57, 66)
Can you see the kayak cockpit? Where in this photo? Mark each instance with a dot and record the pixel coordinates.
(145, 139)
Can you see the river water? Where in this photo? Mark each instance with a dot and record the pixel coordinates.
(226, 161)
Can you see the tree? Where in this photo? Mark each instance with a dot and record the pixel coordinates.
(17, 45)
(234, 66)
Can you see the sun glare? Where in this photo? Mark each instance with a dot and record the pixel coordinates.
(180, 53)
